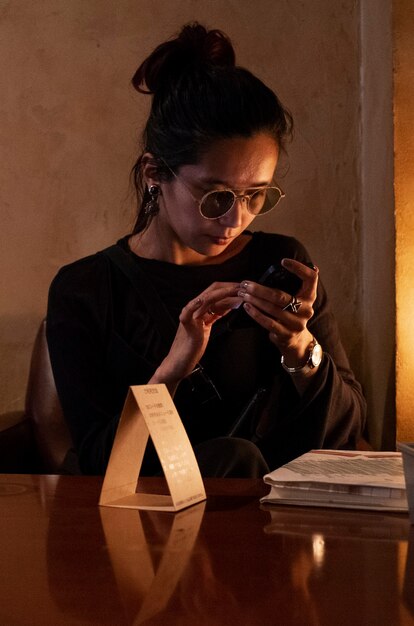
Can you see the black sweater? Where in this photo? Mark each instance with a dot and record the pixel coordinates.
(105, 334)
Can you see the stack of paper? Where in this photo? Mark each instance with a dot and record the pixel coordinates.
(341, 478)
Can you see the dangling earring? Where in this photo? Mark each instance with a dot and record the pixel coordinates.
(152, 206)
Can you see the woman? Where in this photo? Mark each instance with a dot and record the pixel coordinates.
(257, 372)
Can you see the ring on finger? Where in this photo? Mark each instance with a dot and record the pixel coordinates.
(211, 312)
(293, 306)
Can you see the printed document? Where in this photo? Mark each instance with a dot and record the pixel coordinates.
(341, 478)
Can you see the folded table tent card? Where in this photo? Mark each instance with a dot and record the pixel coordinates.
(150, 411)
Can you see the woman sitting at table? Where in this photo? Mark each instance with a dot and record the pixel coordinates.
(258, 372)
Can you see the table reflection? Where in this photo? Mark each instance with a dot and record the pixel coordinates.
(65, 560)
(338, 523)
(326, 561)
(147, 585)
(79, 570)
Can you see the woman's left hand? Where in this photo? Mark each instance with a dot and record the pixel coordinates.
(287, 328)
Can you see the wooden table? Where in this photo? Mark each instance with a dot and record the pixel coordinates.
(65, 560)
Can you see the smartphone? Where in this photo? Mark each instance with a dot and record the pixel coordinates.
(276, 277)
(281, 278)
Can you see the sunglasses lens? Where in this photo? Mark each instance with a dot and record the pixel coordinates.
(264, 200)
(216, 204)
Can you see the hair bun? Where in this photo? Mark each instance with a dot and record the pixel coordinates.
(195, 46)
(206, 46)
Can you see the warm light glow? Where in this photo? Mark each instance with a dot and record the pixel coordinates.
(405, 339)
(404, 214)
(318, 547)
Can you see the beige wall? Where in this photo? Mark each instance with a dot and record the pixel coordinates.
(69, 124)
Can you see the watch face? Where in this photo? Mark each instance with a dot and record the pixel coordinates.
(316, 356)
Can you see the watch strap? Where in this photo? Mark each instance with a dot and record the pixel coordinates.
(308, 366)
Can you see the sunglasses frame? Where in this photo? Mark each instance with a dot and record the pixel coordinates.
(242, 196)
(236, 197)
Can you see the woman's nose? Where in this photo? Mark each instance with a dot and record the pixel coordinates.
(234, 217)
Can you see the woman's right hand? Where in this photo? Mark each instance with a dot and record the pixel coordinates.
(193, 333)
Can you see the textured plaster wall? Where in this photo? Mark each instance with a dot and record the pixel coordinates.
(68, 136)
(376, 221)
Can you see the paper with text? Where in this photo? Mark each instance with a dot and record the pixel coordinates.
(150, 411)
(344, 478)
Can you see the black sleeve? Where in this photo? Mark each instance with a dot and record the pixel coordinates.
(77, 333)
(332, 411)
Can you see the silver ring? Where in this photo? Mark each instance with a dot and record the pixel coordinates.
(211, 312)
(294, 305)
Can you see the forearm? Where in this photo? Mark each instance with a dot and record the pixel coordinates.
(343, 406)
(170, 381)
(329, 414)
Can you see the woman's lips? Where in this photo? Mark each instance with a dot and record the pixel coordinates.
(221, 241)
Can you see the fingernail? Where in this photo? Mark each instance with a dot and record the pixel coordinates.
(241, 293)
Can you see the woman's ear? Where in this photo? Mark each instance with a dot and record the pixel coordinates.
(150, 169)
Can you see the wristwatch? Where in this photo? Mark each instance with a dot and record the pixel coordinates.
(314, 360)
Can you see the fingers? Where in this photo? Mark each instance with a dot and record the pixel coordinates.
(193, 332)
(278, 305)
(216, 301)
(282, 299)
(289, 310)
(280, 313)
(189, 313)
(283, 324)
(308, 275)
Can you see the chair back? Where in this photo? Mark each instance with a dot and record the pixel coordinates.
(52, 436)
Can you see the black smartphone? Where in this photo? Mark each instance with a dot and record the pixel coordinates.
(281, 278)
(276, 277)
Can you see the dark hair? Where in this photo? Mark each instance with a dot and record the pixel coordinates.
(199, 95)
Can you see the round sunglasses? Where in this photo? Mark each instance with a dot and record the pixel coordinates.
(215, 204)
